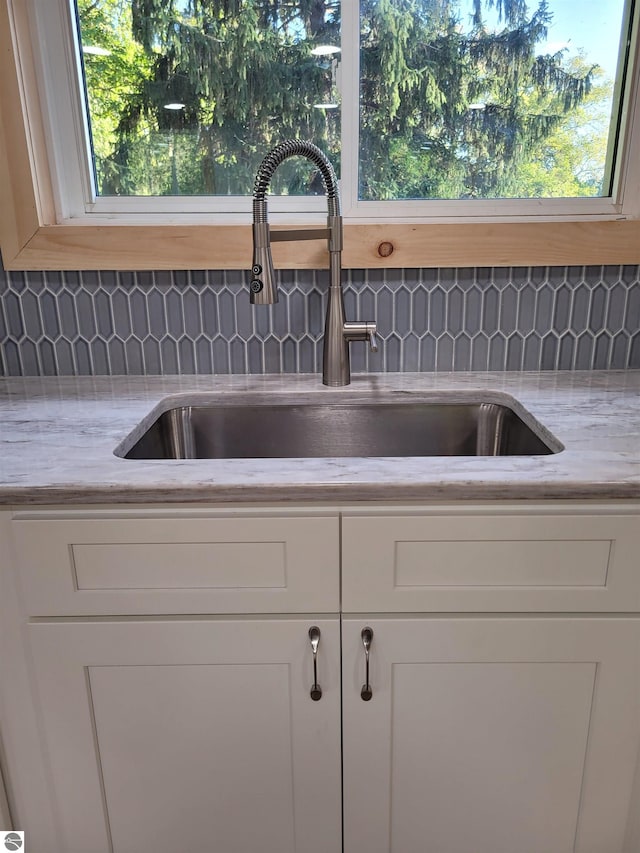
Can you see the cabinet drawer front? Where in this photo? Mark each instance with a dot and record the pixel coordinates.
(84, 566)
(491, 562)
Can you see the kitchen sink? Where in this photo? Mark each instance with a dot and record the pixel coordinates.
(406, 427)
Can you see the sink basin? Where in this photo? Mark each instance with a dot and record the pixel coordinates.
(224, 430)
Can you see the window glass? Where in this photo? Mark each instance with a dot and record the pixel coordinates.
(185, 97)
(484, 99)
(456, 99)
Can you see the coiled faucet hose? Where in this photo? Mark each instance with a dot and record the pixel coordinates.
(293, 148)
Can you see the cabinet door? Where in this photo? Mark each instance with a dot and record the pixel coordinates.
(199, 736)
(490, 735)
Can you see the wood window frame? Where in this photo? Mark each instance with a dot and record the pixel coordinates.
(32, 239)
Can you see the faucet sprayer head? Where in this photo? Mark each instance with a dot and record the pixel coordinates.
(263, 288)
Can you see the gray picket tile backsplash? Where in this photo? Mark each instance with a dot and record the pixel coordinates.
(519, 318)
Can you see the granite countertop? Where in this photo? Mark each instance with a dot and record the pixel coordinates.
(58, 436)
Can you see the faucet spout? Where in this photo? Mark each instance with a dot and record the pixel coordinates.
(263, 287)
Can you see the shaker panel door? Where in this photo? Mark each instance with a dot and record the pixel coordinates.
(490, 735)
(191, 735)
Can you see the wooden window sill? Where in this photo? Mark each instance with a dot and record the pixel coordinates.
(132, 247)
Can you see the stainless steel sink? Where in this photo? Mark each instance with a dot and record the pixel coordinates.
(263, 429)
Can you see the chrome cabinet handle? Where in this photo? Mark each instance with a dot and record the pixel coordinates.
(367, 636)
(314, 636)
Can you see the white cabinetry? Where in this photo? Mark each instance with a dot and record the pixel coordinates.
(509, 729)
(191, 735)
(490, 735)
(171, 666)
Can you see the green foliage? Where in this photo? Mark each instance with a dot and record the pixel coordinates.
(243, 71)
(571, 161)
(112, 80)
(454, 114)
(447, 111)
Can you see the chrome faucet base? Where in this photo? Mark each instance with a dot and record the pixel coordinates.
(336, 368)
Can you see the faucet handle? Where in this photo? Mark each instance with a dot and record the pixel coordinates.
(372, 332)
(360, 331)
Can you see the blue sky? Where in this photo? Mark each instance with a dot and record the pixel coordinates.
(593, 25)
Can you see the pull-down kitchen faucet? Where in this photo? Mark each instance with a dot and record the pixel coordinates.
(337, 331)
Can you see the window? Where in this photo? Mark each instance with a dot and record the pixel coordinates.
(471, 132)
(483, 100)
(185, 98)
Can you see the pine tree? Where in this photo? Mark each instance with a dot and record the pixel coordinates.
(449, 109)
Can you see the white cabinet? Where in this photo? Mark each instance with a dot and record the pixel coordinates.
(490, 735)
(191, 735)
(511, 729)
(170, 665)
